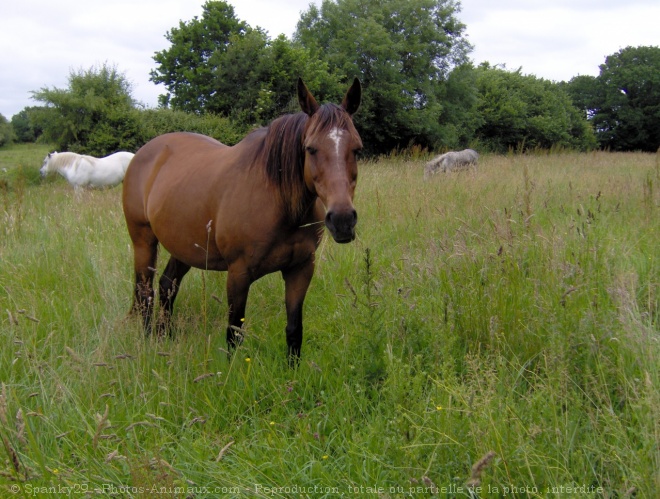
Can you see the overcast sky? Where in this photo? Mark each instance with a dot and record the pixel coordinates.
(42, 41)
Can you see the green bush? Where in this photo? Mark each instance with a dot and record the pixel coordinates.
(96, 115)
(156, 122)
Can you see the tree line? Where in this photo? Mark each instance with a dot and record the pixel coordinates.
(224, 77)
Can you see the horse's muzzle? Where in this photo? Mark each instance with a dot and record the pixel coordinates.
(341, 225)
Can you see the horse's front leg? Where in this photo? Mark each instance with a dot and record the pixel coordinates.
(296, 283)
(238, 286)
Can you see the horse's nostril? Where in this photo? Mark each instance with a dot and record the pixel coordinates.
(341, 225)
(345, 219)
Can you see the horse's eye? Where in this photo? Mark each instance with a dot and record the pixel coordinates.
(311, 150)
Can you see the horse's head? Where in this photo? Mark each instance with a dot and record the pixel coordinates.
(45, 166)
(331, 145)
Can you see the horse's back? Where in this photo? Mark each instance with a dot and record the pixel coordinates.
(169, 150)
(470, 155)
(122, 157)
(101, 172)
(175, 142)
(163, 161)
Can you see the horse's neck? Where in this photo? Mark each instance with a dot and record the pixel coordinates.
(69, 171)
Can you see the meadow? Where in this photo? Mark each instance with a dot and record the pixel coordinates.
(488, 334)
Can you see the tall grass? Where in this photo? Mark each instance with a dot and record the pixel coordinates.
(489, 334)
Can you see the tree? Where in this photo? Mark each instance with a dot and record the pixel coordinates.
(459, 118)
(402, 50)
(623, 102)
(283, 62)
(24, 127)
(525, 112)
(187, 67)
(219, 64)
(6, 132)
(585, 93)
(256, 77)
(94, 115)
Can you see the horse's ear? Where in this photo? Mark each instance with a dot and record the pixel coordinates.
(351, 101)
(307, 101)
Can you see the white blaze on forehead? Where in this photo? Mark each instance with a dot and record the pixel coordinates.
(335, 135)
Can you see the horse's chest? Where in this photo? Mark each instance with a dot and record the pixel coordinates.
(279, 256)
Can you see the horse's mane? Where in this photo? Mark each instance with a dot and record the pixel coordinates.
(282, 152)
(65, 159)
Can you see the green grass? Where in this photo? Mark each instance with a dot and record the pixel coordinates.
(512, 311)
(20, 163)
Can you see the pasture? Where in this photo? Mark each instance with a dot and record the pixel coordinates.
(490, 334)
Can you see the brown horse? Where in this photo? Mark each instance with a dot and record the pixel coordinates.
(250, 209)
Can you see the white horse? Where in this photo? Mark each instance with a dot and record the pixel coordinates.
(453, 160)
(88, 171)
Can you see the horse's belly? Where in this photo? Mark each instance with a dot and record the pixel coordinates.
(258, 260)
(196, 249)
(109, 180)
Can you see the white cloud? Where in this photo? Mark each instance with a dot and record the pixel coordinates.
(42, 40)
(560, 39)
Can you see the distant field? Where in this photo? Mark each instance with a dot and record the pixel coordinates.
(487, 335)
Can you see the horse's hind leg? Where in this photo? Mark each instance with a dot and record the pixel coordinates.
(168, 287)
(145, 252)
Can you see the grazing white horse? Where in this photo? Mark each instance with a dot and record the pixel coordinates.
(88, 171)
(452, 160)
